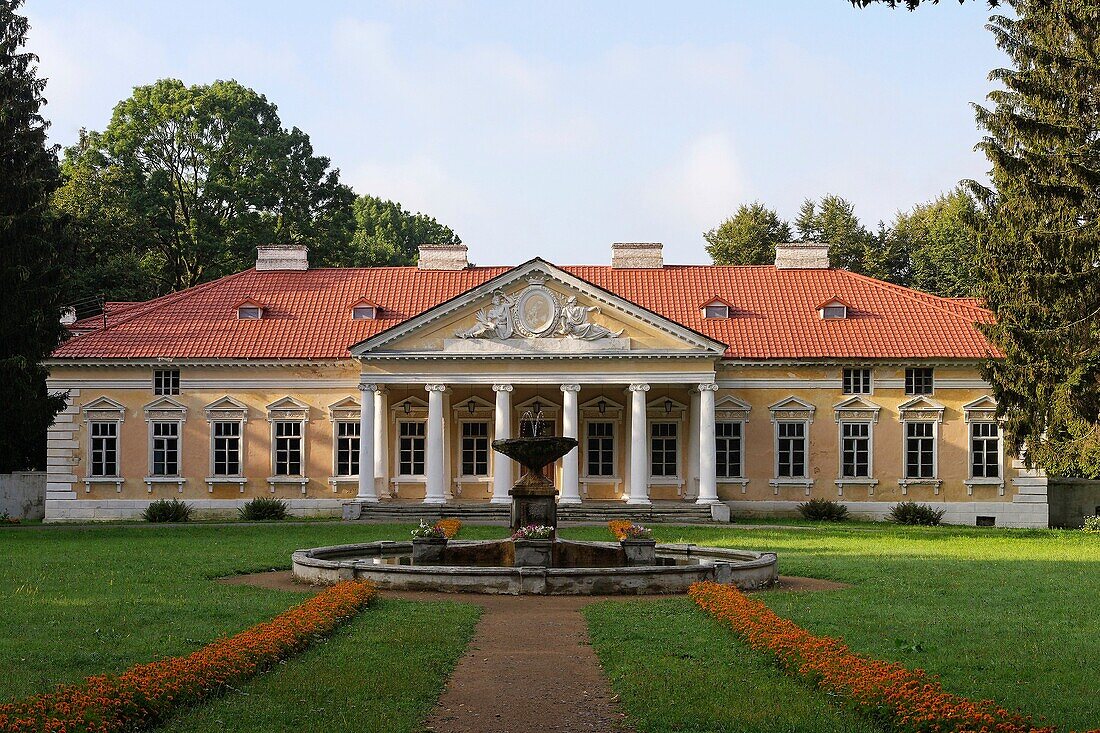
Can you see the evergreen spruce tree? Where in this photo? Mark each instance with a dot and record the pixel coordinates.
(1042, 235)
(29, 270)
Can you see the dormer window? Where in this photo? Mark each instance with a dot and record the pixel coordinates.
(716, 308)
(833, 309)
(250, 311)
(364, 310)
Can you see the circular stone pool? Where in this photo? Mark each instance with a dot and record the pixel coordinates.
(580, 568)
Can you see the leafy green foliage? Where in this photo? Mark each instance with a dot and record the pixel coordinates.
(748, 237)
(1092, 525)
(1042, 233)
(188, 180)
(167, 510)
(823, 510)
(263, 508)
(912, 513)
(942, 245)
(29, 252)
(386, 234)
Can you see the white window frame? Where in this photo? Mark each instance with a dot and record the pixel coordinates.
(678, 478)
(742, 426)
(614, 422)
(302, 459)
(725, 311)
(173, 376)
(870, 451)
(165, 409)
(364, 312)
(935, 477)
(240, 448)
(905, 382)
(805, 450)
(970, 451)
(179, 448)
(397, 449)
(983, 410)
(249, 312)
(336, 423)
(834, 312)
(227, 409)
(870, 380)
(117, 422)
(791, 409)
(921, 408)
(462, 423)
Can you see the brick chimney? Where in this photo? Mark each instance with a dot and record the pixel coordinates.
(443, 257)
(271, 257)
(802, 255)
(648, 255)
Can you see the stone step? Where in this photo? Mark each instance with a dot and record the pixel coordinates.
(677, 512)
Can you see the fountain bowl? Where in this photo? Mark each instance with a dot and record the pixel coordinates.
(535, 453)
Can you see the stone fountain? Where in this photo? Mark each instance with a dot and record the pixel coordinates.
(533, 496)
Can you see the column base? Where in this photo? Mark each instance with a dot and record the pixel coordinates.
(367, 499)
(501, 500)
(438, 500)
(569, 500)
(708, 500)
(639, 500)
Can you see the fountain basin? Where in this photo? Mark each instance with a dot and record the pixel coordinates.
(583, 568)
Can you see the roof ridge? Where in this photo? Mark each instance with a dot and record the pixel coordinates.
(916, 295)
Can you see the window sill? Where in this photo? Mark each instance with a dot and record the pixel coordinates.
(998, 482)
(408, 479)
(802, 483)
(211, 481)
(273, 481)
(473, 479)
(118, 481)
(870, 483)
(179, 481)
(905, 483)
(742, 482)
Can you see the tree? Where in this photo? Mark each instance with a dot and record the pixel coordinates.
(833, 220)
(1042, 233)
(186, 181)
(386, 234)
(910, 4)
(941, 245)
(29, 268)
(748, 237)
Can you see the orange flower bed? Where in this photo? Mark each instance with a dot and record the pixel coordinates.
(147, 693)
(449, 527)
(907, 700)
(618, 527)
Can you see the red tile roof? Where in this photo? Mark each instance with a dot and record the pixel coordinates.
(308, 314)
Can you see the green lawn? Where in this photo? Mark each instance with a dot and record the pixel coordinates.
(1007, 615)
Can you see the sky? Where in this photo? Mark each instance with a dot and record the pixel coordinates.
(555, 129)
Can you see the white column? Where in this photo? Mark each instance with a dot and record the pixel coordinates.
(692, 490)
(434, 492)
(366, 443)
(708, 482)
(502, 464)
(570, 462)
(381, 438)
(639, 463)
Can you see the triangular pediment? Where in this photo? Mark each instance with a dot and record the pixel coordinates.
(104, 408)
(538, 309)
(226, 403)
(729, 402)
(287, 403)
(985, 402)
(791, 403)
(163, 404)
(856, 403)
(920, 402)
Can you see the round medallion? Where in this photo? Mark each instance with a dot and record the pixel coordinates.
(537, 310)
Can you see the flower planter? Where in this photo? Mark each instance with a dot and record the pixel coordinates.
(533, 553)
(429, 550)
(640, 552)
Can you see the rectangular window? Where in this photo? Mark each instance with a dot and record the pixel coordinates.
(410, 448)
(717, 310)
(985, 450)
(855, 450)
(227, 448)
(727, 445)
(166, 449)
(920, 450)
(918, 380)
(288, 448)
(166, 381)
(791, 439)
(663, 449)
(104, 448)
(475, 449)
(347, 448)
(600, 448)
(857, 381)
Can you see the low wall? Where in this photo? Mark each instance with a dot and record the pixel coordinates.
(1071, 500)
(1021, 513)
(87, 510)
(23, 494)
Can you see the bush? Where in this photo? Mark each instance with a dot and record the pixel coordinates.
(163, 510)
(823, 510)
(1092, 524)
(263, 508)
(910, 512)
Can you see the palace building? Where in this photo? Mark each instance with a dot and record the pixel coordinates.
(347, 390)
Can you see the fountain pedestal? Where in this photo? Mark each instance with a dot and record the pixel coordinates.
(533, 495)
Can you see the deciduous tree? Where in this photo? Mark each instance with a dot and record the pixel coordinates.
(386, 234)
(748, 237)
(941, 244)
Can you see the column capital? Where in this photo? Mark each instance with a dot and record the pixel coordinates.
(710, 387)
(638, 388)
(570, 388)
(502, 388)
(368, 387)
(435, 387)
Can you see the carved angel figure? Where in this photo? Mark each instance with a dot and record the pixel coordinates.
(573, 321)
(494, 321)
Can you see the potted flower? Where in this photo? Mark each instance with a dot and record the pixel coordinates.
(638, 544)
(429, 544)
(534, 546)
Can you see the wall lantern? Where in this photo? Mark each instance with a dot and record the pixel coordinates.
(668, 407)
(407, 407)
(471, 406)
(537, 407)
(602, 407)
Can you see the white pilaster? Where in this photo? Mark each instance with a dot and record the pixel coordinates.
(367, 416)
(381, 437)
(570, 462)
(435, 490)
(708, 481)
(639, 463)
(502, 464)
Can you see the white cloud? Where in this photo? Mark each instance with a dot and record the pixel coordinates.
(701, 185)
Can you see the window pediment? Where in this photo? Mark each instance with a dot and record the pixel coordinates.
(792, 408)
(481, 406)
(983, 409)
(104, 408)
(665, 407)
(165, 408)
(226, 408)
(611, 408)
(731, 408)
(921, 408)
(287, 408)
(856, 408)
(347, 408)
